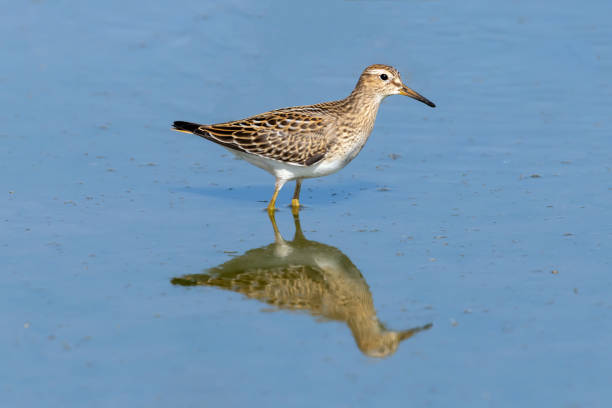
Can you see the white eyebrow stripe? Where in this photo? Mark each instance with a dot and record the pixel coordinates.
(378, 71)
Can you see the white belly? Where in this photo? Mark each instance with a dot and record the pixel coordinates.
(287, 171)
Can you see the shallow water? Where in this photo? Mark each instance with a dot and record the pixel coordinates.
(488, 217)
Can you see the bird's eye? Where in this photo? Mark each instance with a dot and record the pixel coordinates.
(384, 77)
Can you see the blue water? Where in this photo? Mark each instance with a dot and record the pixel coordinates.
(488, 217)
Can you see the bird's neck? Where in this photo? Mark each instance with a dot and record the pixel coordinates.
(364, 106)
(367, 331)
(362, 97)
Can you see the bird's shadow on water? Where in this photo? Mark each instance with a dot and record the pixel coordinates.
(309, 276)
(315, 193)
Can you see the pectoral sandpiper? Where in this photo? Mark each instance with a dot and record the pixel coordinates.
(308, 141)
(307, 275)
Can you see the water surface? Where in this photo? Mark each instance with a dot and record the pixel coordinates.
(488, 217)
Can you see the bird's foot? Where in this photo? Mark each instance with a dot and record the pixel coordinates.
(295, 206)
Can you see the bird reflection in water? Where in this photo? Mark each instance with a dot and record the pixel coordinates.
(310, 276)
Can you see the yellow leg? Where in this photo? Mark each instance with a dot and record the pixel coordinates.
(277, 235)
(299, 235)
(295, 203)
(279, 184)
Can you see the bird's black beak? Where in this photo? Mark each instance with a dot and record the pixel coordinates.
(415, 95)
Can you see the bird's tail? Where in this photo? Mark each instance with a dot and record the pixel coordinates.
(187, 127)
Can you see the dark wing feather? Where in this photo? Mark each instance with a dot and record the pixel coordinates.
(294, 287)
(293, 137)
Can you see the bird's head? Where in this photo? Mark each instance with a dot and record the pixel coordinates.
(384, 80)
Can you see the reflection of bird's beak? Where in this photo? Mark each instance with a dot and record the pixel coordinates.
(409, 92)
(406, 334)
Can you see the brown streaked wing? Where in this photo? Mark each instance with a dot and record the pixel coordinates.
(291, 137)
